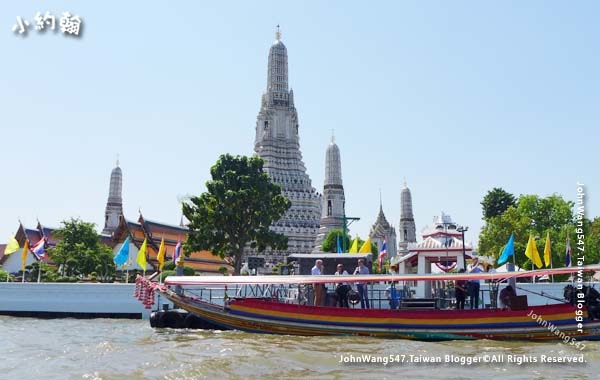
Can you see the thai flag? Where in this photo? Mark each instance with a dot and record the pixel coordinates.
(382, 253)
(39, 249)
(177, 252)
(568, 253)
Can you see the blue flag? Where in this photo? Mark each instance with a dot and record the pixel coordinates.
(339, 246)
(509, 250)
(123, 254)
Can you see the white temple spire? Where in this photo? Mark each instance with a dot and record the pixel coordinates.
(406, 228)
(334, 200)
(114, 204)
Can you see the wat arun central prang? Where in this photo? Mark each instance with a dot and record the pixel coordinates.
(277, 142)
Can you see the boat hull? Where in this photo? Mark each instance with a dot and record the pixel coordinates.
(536, 323)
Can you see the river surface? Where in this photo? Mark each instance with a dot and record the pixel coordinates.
(131, 349)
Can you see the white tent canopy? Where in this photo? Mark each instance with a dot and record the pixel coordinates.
(504, 268)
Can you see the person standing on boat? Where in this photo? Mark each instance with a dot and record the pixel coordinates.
(363, 290)
(342, 288)
(460, 291)
(319, 289)
(505, 296)
(474, 284)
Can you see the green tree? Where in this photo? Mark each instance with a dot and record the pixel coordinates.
(79, 251)
(495, 202)
(3, 275)
(330, 242)
(237, 210)
(538, 216)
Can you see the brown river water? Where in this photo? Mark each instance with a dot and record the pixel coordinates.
(131, 349)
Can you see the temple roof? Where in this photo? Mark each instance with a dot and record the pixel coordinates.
(382, 227)
(430, 243)
(202, 261)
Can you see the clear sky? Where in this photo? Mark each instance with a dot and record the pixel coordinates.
(457, 97)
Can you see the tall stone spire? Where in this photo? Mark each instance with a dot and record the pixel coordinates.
(277, 142)
(114, 205)
(334, 201)
(406, 229)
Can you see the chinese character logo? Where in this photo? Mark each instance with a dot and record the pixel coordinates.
(69, 24)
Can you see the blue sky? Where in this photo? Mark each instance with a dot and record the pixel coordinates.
(456, 97)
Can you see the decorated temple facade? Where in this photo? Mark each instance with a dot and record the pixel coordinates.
(382, 230)
(440, 250)
(277, 142)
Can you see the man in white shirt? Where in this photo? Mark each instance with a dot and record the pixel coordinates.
(362, 287)
(319, 289)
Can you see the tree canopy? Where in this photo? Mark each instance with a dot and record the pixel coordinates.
(495, 202)
(330, 242)
(534, 215)
(80, 252)
(237, 209)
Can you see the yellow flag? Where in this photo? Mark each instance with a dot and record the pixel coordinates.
(11, 247)
(354, 246)
(161, 254)
(141, 256)
(533, 253)
(547, 259)
(24, 254)
(366, 247)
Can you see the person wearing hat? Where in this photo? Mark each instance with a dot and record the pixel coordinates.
(474, 284)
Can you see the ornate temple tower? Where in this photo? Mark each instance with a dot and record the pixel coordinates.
(406, 229)
(333, 205)
(277, 142)
(382, 229)
(114, 205)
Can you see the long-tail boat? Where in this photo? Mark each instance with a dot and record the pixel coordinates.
(272, 314)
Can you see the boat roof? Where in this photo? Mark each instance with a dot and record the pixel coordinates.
(282, 280)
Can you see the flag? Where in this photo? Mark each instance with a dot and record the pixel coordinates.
(12, 246)
(366, 247)
(123, 255)
(39, 249)
(547, 254)
(177, 252)
(161, 254)
(24, 255)
(382, 253)
(532, 252)
(354, 246)
(141, 256)
(568, 252)
(339, 246)
(508, 251)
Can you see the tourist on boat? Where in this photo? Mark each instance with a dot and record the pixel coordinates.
(460, 291)
(363, 290)
(474, 284)
(342, 288)
(319, 289)
(505, 295)
(393, 296)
